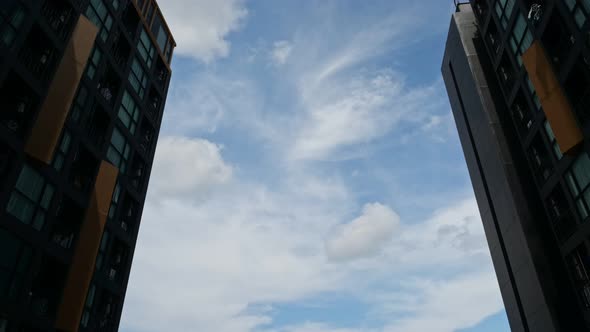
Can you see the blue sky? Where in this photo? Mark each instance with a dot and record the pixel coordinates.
(309, 178)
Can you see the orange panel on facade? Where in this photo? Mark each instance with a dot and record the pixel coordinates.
(555, 104)
(82, 268)
(54, 111)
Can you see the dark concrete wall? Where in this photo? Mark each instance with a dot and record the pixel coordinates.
(516, 245)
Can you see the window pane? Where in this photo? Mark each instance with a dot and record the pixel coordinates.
(39, 220)
(582, 209)
(572, 185)
(579, 17)
(118, 140)
(113, 156)
(47, 196)
(20, 207)
(581, 170)
(25, 260)
(519, 28)
(30, 183)
(9, 247)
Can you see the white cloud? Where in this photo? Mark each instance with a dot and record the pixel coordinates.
(364, 235)
(188, 168)
(200, 27)
(450, 305)
(281, 51)
(347, 103)
(341, 114)
(223, 263)
(313, 327)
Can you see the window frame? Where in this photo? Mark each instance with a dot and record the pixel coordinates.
(580, 193)
(121, 157)
(104, 21)
(141, 78)
(16, 270)
(39, 206)
(504, 10)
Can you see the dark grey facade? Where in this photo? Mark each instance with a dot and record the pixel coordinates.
(527, 187)
(83, 86)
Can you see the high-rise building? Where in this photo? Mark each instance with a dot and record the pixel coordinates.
(517, 73)
(83, 85)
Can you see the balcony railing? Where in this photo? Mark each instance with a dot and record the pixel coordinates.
(59, 16)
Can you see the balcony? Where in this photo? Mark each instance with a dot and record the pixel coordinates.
(137, 173)
(105, 312)
(69, 218)
(46, 288)
(96, 125)
(162, 73)
(493, 38)
(564, 223)
(558, 41)
(19, 103)
(6, 156)
(83, 170)
(540, 160)
(120, 50)
(109, 85)
(38, 54)
(521, 114)
(146, 138)
(579, 265)
(154, 105)
(506, 74)
(128, 215)
(130, 20)
(59, 15)
(481, 8)
(577, 88)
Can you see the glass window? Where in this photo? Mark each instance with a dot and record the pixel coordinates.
(11, 19)
(115, 4)
(129, 113)
(115, 201)
(31, 198)
(88, 305)
(138, 78)
(168, 54)
(98, 13)
(579, 9)
(14, 263)
(146, 49)
(79, 103)
(150, 12)
(579, 266)
(119, 151)
(521, 38)
(159, 31)
(62, 150)
(93, 63)
(578, 181)
(104, 243)
(504, 10)
(533, 92)
(554, 145)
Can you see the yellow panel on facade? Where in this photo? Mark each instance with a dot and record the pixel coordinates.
(555, 104)
(54, 111)
(83, 261)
